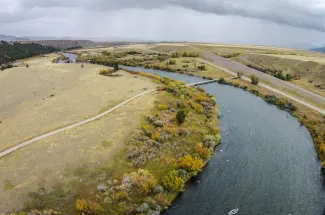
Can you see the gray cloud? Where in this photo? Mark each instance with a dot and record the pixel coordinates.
(303, 14)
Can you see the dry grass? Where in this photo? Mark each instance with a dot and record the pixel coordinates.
(66, 157)
(27, 110)
(311, 70)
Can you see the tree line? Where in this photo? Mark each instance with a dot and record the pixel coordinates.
(12, 51)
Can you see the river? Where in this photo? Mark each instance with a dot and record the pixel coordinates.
(266, 163)
(72, 57)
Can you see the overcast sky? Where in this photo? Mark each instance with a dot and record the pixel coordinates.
(269, 22)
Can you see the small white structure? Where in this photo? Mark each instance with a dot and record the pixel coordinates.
(233, 212)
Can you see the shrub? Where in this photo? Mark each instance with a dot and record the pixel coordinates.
(281, 103)
(175, 55)
(155, 136)
(181, 116)
(143, 180)
(120, 196)
(222, 81)
(162, 107)
(162, 199)
(82, 66)
(27, 66)
(288, 77)
(171, 62)
(254, 80)
(158, 124)
(240, 74)
(104, 71)
(182, 97)
(173, 130)
(322, 148)
(191, 163)
(204, 153)
(202, 67)
(210, 141)
(88, 207)
(173, 183)
(197, 107)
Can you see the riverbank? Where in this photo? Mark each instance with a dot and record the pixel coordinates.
(313, 120)
(172, 145)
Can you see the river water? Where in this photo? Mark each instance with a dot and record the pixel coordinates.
(72, 57)
(266, 163)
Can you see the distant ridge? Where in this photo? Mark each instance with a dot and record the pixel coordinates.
(322, 49)
(12, 38)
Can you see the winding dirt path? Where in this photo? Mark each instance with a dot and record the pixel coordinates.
(10, 150)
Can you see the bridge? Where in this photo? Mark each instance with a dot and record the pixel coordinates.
(202, 82)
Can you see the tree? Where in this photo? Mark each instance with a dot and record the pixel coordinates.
(180, 116)
(240, 74)
(254, 80)
(116, 67)
(288, 77)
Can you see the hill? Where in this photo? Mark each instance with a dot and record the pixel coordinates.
(319, 50)
(11, 38)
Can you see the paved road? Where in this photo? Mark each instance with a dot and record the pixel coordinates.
(233, 67)
(8, 151)
(268, 87)
(313, 98)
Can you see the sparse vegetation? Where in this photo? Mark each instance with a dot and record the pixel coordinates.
(254, 80)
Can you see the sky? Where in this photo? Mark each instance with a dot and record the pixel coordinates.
(265, 22)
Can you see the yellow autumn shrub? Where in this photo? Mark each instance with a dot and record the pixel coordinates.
(88, 207)
(322, 148)
(197, 107)
(162, 107)
(172, 130)
(173, 183)
(190, 163)
(204, 152)
(143, 180)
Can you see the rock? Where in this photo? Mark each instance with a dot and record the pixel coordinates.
(143, 208)
(126, 180)
(102, 188)
(158, 124)
(158, 189)
(151, 212)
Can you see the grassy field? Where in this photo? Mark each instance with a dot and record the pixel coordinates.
(307, 71)
(306, 68)
(46, 96)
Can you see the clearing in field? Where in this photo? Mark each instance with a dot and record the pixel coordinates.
(47, 96)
